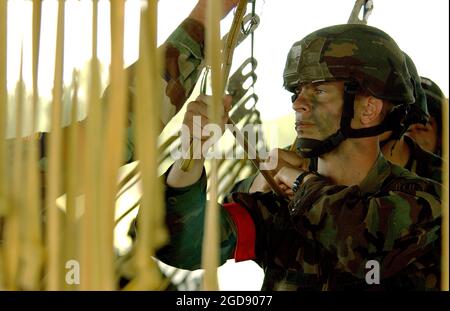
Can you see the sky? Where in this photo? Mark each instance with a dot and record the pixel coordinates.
(420, 27)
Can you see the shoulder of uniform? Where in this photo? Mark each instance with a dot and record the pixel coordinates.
(404, 180)
(410, 183)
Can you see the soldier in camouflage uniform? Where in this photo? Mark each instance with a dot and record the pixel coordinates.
(429, 136)
(402, 150)
(396, 147)
(350, 84)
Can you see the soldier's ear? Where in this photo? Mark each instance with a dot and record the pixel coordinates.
(371, 111)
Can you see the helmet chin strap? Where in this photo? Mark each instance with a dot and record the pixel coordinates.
(312, 148)
(391, 137)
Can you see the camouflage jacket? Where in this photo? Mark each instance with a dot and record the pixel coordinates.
(183, 58)
(423, 163)
(323, 239)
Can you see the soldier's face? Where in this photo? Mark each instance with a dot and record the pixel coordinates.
(318, 109)
(425, 135)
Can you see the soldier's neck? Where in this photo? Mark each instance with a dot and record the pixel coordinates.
(350, 163)
(397, 152)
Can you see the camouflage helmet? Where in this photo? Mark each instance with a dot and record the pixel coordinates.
(419, 110)
(434, 95)
(435, 100)
(351, 52)
(366, 59)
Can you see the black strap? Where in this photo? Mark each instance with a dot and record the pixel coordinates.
(350, 89)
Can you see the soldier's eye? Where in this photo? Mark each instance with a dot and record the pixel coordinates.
(320, 91)
(294, 97)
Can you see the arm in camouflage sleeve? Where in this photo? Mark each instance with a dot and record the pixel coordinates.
(183, 60)
(185, 213)
(183, 54)
(243, 185)
(394, 227)
(183, 57)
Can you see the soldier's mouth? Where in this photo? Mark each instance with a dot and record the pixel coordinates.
(302, 125)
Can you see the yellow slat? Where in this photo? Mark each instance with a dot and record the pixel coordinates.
(113, 142)
(53, 232)
(152, 232)
(210, 253)
(3, 111)
(13, 232)
(33, 251)
(90, 272)
(72, 179)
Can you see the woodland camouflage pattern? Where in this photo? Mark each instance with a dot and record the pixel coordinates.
(420, 99)
(323, 238)
(435, 100)
(183, 54)
(435, 97)
(337, 53)
(422, 162)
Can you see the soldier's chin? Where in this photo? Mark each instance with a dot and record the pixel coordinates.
(303, 134)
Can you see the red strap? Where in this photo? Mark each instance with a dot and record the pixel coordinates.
(246, 233)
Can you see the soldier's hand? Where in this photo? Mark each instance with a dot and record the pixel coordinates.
(196, 118)
(280, 158)
(285, 179)
(228, 5)
(199, 11)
